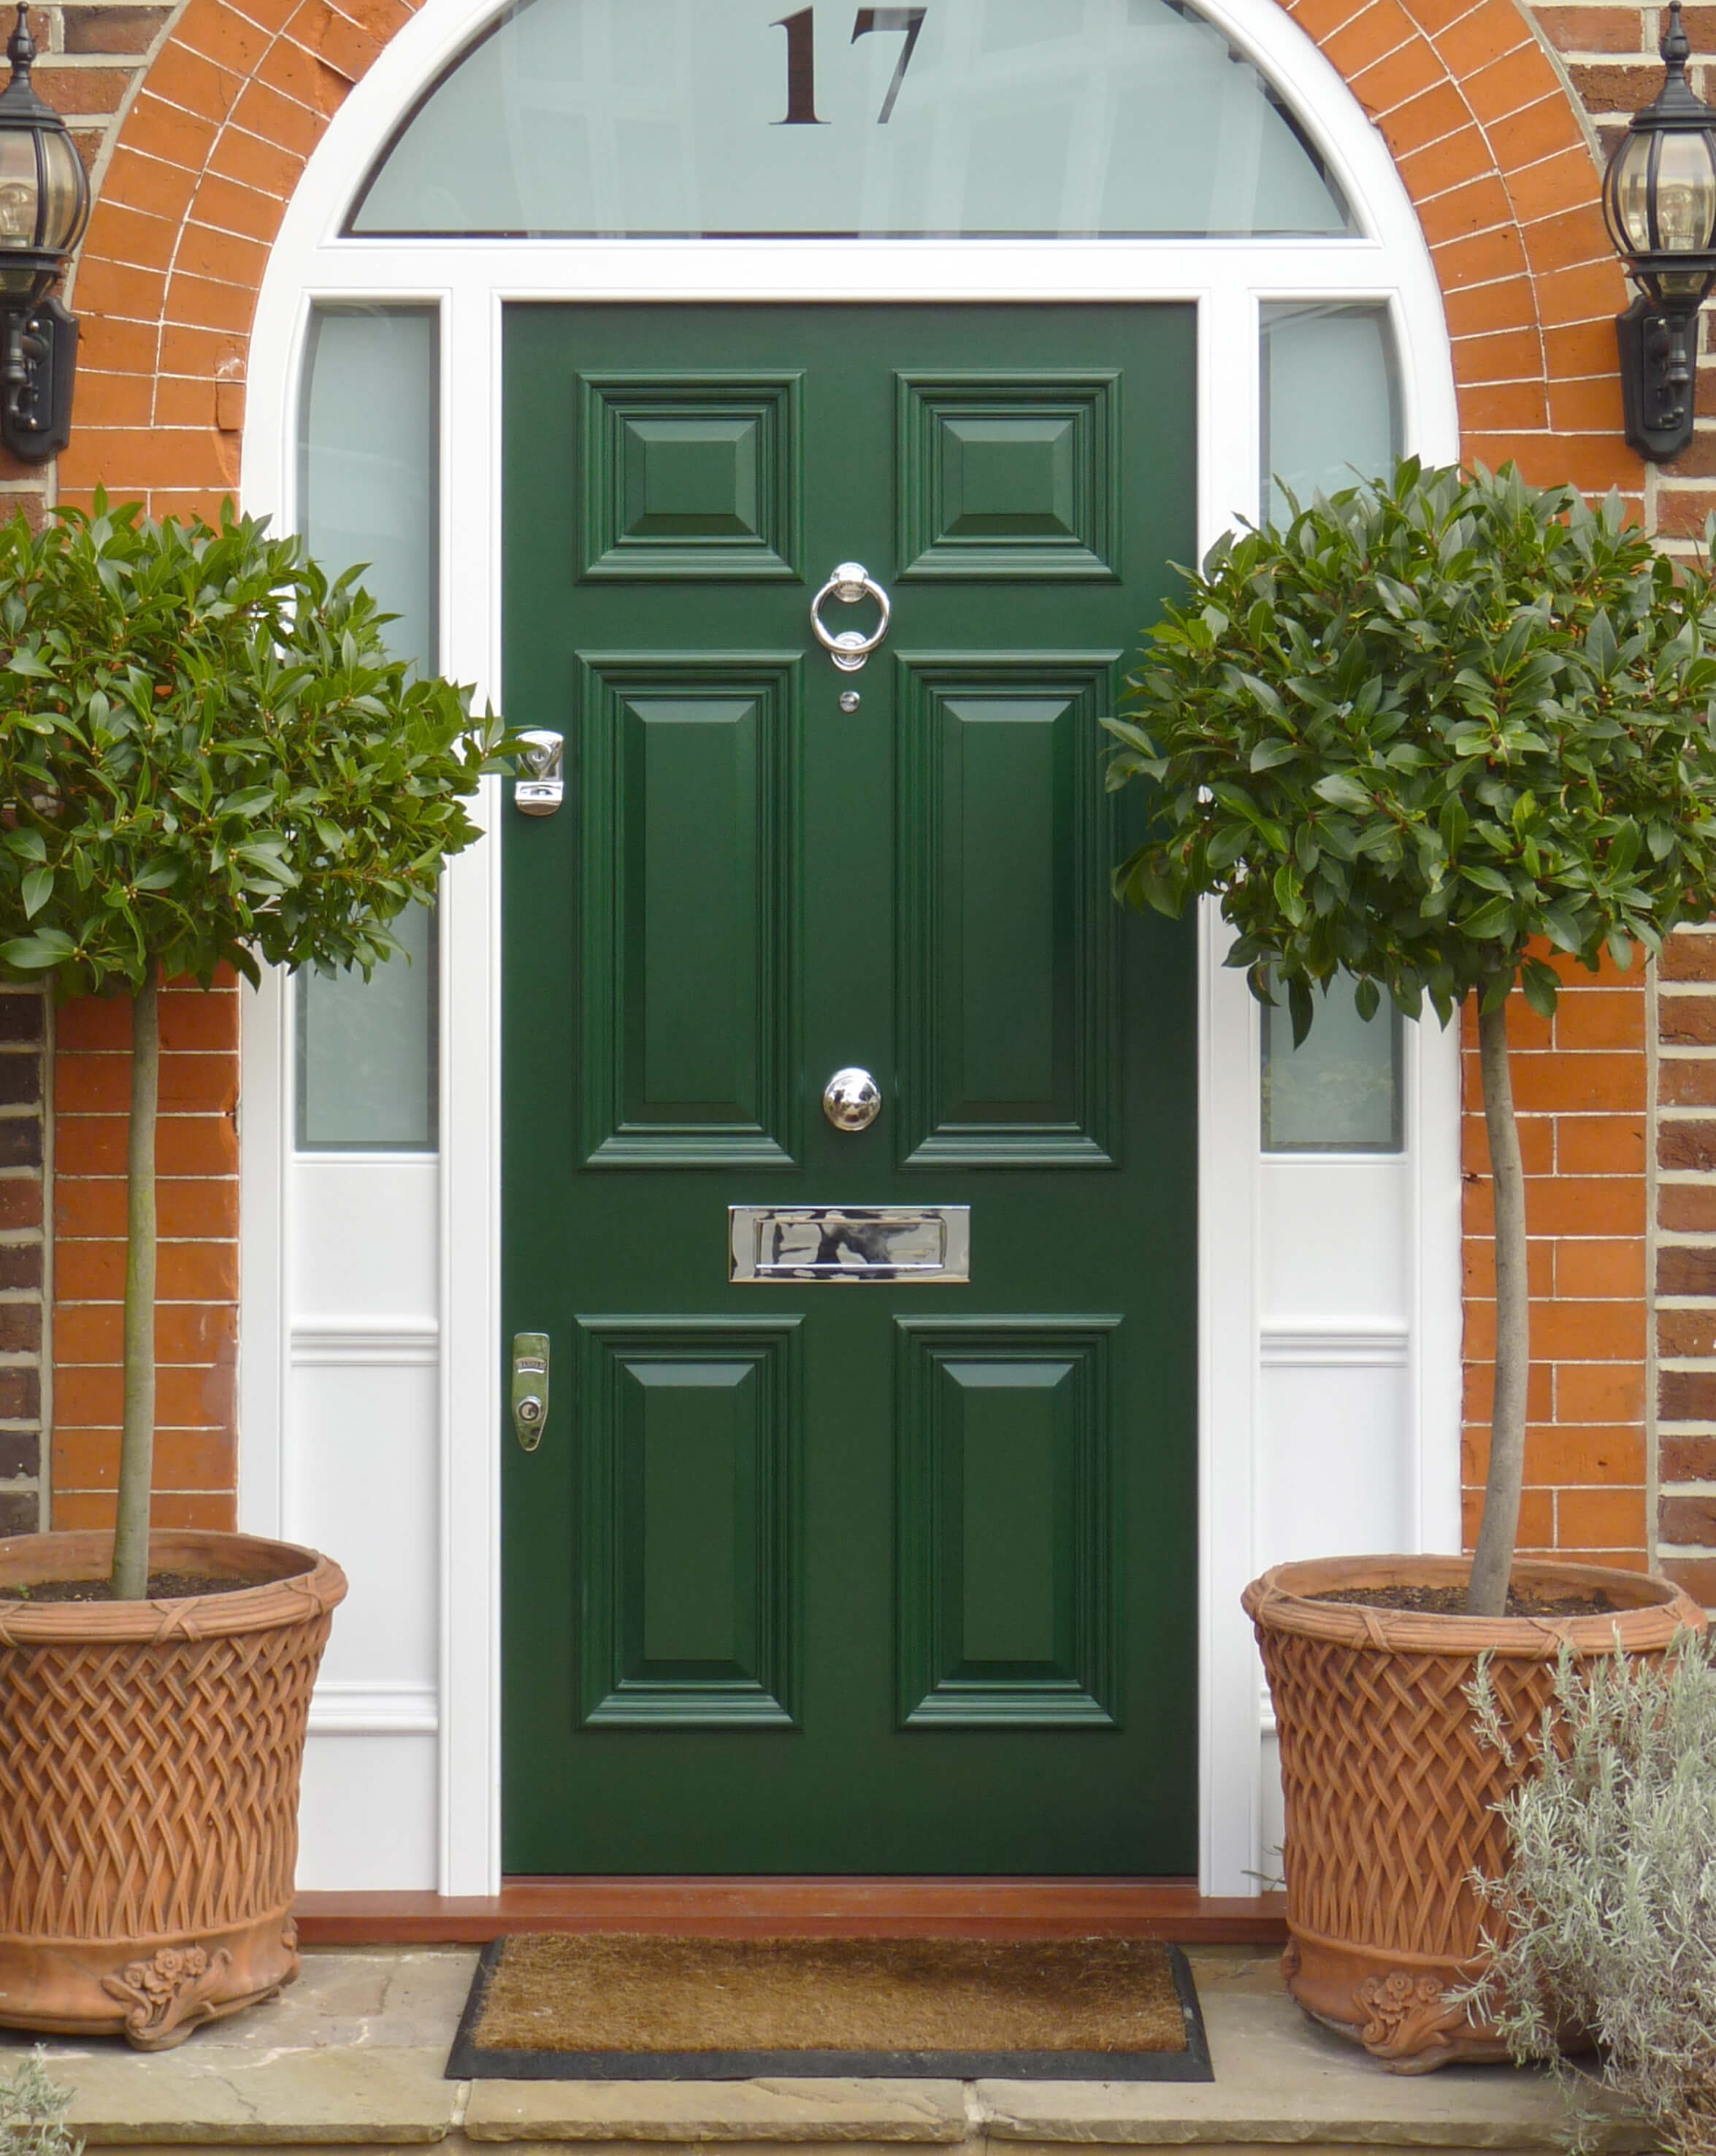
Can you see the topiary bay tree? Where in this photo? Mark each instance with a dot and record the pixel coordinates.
(207, 759)
(1422, 733)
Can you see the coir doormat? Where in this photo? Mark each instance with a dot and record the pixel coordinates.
(609, 2006)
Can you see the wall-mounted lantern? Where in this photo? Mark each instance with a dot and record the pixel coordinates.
(1659, 198)
(44, 202)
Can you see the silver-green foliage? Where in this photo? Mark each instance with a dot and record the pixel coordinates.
(1606, 1915)
(33, 2113)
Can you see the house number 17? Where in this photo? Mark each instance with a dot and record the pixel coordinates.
(801, 58)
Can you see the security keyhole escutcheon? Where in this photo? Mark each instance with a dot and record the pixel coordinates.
(530, 1388)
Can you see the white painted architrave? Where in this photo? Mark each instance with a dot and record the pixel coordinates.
(1245, 1345)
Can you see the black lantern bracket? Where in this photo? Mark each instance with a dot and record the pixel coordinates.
(45, 204)
(1659, 202)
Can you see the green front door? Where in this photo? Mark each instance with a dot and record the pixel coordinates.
(868, 1575)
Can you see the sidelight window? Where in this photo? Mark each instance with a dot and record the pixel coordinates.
(366, 1051)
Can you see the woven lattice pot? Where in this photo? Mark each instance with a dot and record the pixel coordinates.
(150, 1754)
(1389, 1790)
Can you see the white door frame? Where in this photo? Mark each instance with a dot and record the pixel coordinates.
(470, 281)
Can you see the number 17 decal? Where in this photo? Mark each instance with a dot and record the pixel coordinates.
(801, 58)
(908, 19)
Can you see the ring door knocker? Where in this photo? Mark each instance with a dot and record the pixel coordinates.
(849, 648)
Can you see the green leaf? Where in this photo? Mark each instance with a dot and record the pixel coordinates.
(36, 890)
(1540, 986)
(1300, 1008)
(1343, 790)
(35, 953)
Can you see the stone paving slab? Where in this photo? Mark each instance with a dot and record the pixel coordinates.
(861, 2109)
(1280, 2079)
(353, 2057)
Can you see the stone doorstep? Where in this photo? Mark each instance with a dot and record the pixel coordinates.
(353, 2057)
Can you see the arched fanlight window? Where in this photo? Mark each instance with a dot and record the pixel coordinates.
(961, 118)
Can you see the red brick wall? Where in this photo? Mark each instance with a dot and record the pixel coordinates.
(1497, 157)
(24, 1020)
(196, 1330)
(1686, 1261)
(1581, 1086)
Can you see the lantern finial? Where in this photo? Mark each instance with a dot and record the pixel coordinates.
(1676, 48)
(20, 46)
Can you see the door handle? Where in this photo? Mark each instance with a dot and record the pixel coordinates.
(540, 785)
(530, 1388)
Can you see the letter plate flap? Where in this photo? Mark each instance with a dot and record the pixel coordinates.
(898, 1243)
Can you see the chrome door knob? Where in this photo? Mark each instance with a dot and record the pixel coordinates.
(851, 1100)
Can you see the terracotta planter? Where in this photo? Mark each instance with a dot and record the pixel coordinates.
(1389, 1790)
(149, 1761)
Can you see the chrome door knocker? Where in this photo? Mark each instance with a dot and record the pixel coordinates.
(849, 648)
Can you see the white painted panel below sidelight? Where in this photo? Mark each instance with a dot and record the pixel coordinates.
(1336, 1234)
(1272, 1828)
(365, 1235)
(367, 1821)
(362, 1481)
(1337, 1460)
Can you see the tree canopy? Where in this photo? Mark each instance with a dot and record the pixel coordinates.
(207, 757)
(1422, 724)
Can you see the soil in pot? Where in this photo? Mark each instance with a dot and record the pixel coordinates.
(1451, 1601)
(163, 1587)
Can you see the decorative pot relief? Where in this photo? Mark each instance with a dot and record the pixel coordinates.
(1407, 2014)
(169, 1995)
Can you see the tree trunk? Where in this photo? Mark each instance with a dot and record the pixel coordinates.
(1492, 1565)
(137, 1452)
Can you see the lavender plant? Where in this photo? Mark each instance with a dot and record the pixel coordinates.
(33, 2113)
(1604, 1921)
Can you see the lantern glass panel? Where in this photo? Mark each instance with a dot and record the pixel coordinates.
(1686, 194)
(65, 191)
(1630, 193)
(20, 198)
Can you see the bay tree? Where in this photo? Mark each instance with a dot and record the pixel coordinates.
(209, 759)
(1430, 733)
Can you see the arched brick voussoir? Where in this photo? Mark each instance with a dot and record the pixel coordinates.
(1487, 138)
(223, 125)
(1480, 125)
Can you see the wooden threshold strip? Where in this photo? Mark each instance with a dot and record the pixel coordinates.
(806, 1908)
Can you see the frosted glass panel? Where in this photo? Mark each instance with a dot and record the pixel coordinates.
(367, 459)
(1331, 403)
(367, 1051)
(609, 118)
(1339, 1091)
(367, 448)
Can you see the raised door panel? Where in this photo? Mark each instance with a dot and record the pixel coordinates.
(690, 877)
(690, 1437)
(1010, 476)
(1006, 1510)
(1006, 934)
(689, 476)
